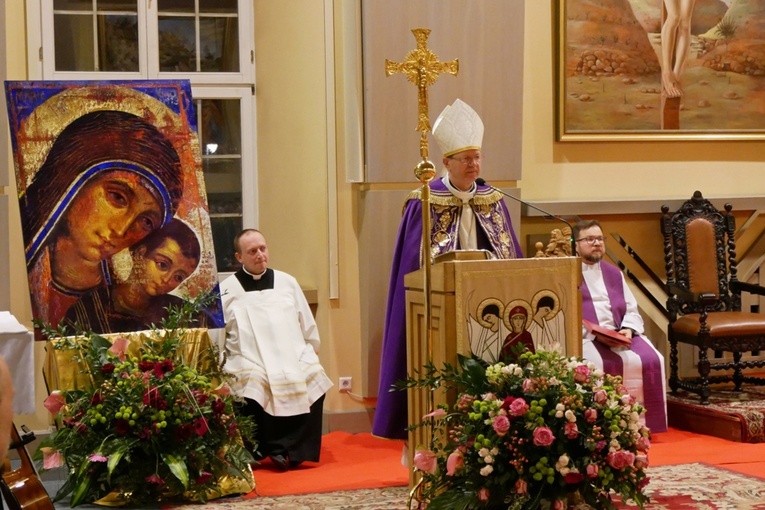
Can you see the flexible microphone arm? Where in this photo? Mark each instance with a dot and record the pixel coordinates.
(548, 215)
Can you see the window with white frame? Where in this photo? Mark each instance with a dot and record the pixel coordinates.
(208, 42)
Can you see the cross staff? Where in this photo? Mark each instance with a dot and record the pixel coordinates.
(422, 67)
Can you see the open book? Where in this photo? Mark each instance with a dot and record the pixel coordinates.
(606, 336)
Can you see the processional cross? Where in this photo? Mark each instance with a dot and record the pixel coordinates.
(422, 67)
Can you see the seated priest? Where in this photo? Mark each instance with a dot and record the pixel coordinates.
(464, 216)
(609, 303)
(272, 346)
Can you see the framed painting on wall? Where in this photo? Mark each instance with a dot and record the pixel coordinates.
(660, 70)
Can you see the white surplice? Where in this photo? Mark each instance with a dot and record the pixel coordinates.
(272, 345)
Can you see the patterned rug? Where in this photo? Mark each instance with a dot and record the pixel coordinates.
(737, 416)
(682, 487)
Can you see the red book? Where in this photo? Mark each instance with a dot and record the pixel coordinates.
(607, 336)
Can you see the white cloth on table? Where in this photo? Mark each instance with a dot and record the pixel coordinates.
(17, 348)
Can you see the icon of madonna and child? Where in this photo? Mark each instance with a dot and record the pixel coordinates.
(111, 236)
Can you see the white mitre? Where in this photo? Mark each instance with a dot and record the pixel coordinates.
(458, 128)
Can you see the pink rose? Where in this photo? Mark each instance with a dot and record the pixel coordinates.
(581, 374)
(465, 402)
(591, 415)
(455, 462)
(592, 471)
(501, 425)
(487, 397)
(620, 459)
(641, 461)
(560, 504)
(543, 436)
(426, 460)
(571, 430)
(600, 396)
(643, 443)
(119, 347)
(521, 486)
(52, 458)
(518, 407)
(54, 402)
(483, 494)
(528, 385)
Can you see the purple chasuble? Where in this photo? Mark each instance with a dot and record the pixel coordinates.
(390, 419)
(653, 384)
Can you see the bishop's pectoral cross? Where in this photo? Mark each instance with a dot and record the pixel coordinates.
(422, 67)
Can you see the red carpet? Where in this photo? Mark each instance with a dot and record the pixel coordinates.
(682, 447)
(360, 461)
(348, 461)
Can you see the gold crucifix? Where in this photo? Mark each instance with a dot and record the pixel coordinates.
(422, 67)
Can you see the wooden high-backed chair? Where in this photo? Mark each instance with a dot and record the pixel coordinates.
(704, 302)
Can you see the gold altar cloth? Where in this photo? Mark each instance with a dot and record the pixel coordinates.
(63, 372)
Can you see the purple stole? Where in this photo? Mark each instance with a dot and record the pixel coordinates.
(653, 384)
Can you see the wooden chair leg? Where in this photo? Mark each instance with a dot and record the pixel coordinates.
(704, 368)
(738, 375)
(673, 370)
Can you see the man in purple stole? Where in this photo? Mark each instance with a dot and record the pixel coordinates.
(464, 216)
(607, 301)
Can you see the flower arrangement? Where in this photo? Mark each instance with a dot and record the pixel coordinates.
(150, 427)
(539, 432)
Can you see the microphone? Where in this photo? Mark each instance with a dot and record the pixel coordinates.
(548, 215)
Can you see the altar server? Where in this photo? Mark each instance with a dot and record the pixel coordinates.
(272, 346)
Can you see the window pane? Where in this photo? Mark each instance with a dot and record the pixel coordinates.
(219, 40)
(180, 6)
(118, 5)
(224, 230)
(73, 5)
(177, 45)
(220, 127)
(118, 43)
(218, 6)
(219, 124)
(74, 42)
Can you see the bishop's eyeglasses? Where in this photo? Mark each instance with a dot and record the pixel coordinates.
(468, 161)
(592, 239)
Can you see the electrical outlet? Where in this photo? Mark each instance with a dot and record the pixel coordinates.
(345, 384)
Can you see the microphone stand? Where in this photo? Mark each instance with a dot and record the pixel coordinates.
(548, 215)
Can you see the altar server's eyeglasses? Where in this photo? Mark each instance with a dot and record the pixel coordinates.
(467, 161)
(593, 240)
